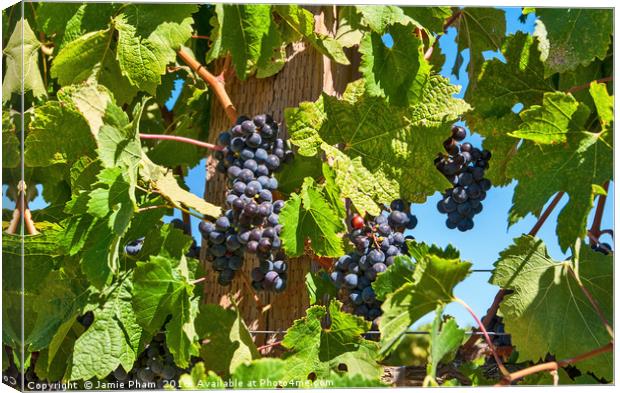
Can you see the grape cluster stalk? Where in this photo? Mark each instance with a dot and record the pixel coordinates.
(464, 166)
(251, 155)
(377, 243)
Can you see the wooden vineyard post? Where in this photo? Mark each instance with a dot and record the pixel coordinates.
(303, 78)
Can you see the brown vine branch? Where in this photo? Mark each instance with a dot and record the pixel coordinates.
(594, 303)
(182, 139)
(452, 19)
(199, 280)
(266, 346)
(500, 365)
(543, 217)
(216, 85)
(587, 85)
(153, 207)
(201, 37)
(595, 229)
(551, 366)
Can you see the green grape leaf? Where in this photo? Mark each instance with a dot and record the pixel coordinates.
(319, 285)
(63, 299)
(243, 29)
(75, 62)
(22, 63)
(112, 198)
(398, 72)
(161, 290)
(381, 137)
(397, 275)
(301, 21)
(148, 36)
(443, 342)
(434, 279)
(379, 17)
(111, 340)
(359, 184)
(550, 122)
(52, 126)
(573, 167)
(266, 373)
(181, 336)
(432, 18)
(479, 29)
(228, 341)
(319, 350)
(11, 155)
(200, 379)
(570, 37)
(310, 215)
(546, 295)
(52, 18)
(292, 175)
(604, 104)
(500, 86)
(418, 250)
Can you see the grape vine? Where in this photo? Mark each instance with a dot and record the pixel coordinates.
(110, 108)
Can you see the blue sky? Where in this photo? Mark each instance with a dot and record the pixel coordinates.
(490, 235)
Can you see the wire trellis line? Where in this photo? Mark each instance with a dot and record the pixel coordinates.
(378, 332)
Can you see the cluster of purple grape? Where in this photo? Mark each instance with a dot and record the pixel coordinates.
(377, 242)
(252, 153)
(464, 167)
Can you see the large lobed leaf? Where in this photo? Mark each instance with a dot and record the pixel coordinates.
(433, 280)
(547, 311)
(148, 37)
(311, 215)
(575, 167)
(112, 340)
(161, 290)
(398, 72)
(570, 37)
(321, 351)
(396, 146)
(479, 29)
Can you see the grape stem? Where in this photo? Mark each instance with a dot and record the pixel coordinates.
(201, 37)
(552, 366)
(266, 346)
(500, 365)
(182, 139)
(199, 280)
(543, 217)
(587, 85)
(593, 302)
(595, 229)
(153, 207)
(214, 82)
